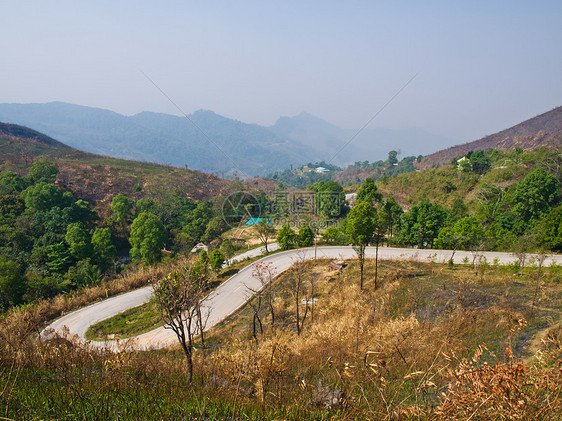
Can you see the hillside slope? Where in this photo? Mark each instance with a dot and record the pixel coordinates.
(542, 130)
(96, 178)
(24, 133)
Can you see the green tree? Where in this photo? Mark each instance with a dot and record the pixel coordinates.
(360, 229)
(81, 211)
(467, 233)
(197, 220)
(145, 205)
(227, 249)
(216, 260)
(104, 250)
(393, 212)
(11, 183)
(78, 241)
(42, 171)
(202, 264)
(535, 195)
(379, 219)
(82, 274)
(392, 158)
(148, 236)
(458, 211)
(421, 225)
(329, 199)
(306, 236)
(334, 236)
(286, 237)
(550, 230)
(41, 287)
(11, 206)
(368, 193)
(479, 162)
(59, 259)
(42, 197)
(215, 227)
(50, 226)
(12, 284)
(121, 206)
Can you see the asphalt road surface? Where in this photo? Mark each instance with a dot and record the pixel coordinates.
(234, 292)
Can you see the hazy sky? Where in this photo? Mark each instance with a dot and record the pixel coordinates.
(481, 66)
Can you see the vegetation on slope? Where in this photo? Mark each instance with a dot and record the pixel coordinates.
(352, 174)
(98, 179)
(51, 243)
(431, 342)
(544, 130)
(20, 132)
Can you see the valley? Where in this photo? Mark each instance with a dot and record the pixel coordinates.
(417, 276)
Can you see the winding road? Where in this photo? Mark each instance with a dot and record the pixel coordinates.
(235, 291)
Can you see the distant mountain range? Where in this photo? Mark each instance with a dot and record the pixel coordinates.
(212, 143)
(542, 130)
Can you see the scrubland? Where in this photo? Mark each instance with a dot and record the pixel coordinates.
(432, 341)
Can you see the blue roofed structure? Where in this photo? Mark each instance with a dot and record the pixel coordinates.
(253, 221)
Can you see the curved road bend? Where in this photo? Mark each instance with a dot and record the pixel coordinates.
(234, 292)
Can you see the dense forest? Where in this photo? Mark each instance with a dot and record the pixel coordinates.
(52, 243)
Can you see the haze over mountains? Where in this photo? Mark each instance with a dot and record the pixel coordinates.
(213, 143)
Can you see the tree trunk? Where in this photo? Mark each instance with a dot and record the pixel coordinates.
(376, 263)
(189, 356)
(297, 310)
(255, 326)
(200, 323)
(187, 346)
(271, 309)
(361, 260)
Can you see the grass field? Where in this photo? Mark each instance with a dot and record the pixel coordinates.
(132, 322)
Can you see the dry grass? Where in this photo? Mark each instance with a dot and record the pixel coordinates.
(412, 349)
(389, 349)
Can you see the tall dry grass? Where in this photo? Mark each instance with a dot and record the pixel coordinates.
(403, 351)
(387, 350)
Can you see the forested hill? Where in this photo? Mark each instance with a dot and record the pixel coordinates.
(24, 133)
(97, 179)
(70, 218)
(542, 130)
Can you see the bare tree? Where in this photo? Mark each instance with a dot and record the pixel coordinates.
(490, 196)
(264, 273)
(521, 249)
(178, 298)
(541, 257)
(477, 256)
(301, 297)
(201, 274)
